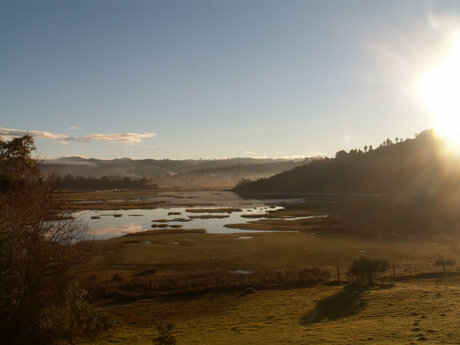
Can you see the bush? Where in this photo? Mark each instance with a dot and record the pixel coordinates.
(366, 270)
(76, 317)
(445, 262)
(166, 337)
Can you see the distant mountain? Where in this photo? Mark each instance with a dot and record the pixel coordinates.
(229, 176)
(221, 172)
(414, 165)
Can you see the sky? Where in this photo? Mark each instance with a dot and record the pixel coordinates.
(218, 79)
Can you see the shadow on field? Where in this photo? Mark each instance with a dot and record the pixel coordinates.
(347, 302)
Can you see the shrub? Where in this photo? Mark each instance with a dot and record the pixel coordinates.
(445, 262)
(364, 270)
(166, 337)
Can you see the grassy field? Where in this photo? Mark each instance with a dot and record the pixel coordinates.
(176, 261)
(407, 312)
(308, 225)
(262, 250)
(416, 307)
(127, 200)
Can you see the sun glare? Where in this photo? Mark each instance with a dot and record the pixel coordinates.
(439, 88)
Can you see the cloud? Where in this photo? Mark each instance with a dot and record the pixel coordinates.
(125, 138)
(249, 152)
(129, 138)
(73, 127)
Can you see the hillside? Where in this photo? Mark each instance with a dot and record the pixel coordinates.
(228, 176)
(414, 165)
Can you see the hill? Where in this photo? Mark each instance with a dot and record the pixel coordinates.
(407, 187)
(82, 172)
(413, 165)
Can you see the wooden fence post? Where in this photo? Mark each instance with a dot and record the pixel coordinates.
(394, 270)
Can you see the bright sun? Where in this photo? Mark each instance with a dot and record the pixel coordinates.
(439, 88)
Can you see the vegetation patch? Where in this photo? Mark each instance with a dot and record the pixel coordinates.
(213, 210)
(166, 231)
(210, 216)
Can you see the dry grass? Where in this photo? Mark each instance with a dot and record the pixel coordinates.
(213, 210)
(172, 230)
(209, 216)
(179, 251)
(122, 200)
(313, 224)
(410, 311)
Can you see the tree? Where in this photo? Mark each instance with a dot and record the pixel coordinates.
(341, 154)
(16, 164)
(39, 242)
(366, 270)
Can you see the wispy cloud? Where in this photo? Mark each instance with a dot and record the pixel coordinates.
(73, 127)
(125, 138)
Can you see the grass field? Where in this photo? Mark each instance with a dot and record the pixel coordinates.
(414, 308)
(127, 199)
(262, 250)
(407, 312)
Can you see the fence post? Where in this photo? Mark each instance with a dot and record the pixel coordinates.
(394, 270)
(338, 274)
(150, 286)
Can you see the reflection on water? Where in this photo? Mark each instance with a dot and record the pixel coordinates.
(115, 231)
(114, 223)
(105, 227)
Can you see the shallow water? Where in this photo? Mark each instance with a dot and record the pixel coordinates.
(105, 224)
(109, 226)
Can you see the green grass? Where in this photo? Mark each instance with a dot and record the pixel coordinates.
(401, 314)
